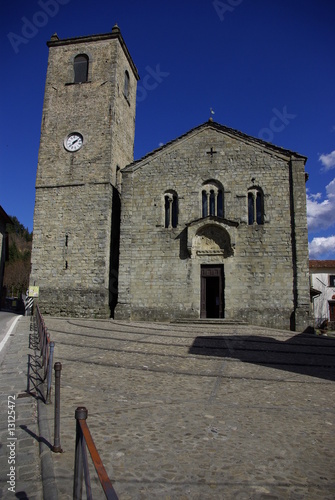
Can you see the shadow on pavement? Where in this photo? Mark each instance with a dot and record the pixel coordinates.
(35, 387)
(35, 436)
(305, 354)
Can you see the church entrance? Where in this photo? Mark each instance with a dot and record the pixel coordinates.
(212, 291)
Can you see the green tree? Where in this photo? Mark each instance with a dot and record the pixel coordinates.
(17, 267)
(17, 228)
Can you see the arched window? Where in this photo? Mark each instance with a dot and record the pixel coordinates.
(212, 199)
(255, 206)
(204, 203)
(259, 208)
(171, 209)
(126, 84)
(219, 202)
(251, 208)
(80, 66)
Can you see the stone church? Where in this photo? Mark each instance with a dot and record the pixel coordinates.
(210, 225)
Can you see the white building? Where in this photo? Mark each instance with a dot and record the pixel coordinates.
(322, 278)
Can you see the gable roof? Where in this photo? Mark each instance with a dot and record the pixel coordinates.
(4, 217)
(321, 264)
(220, 128)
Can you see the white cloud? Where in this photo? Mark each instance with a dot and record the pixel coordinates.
(322, 248)
(321, 215)
(316, 196)
(328, 161)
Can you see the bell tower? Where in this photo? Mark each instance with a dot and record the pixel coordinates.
(87, 136)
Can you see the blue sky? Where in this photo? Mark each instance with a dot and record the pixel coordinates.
(265, 67)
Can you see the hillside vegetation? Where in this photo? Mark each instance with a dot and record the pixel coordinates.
(17, 267)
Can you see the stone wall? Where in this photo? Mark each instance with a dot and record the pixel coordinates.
(74, 226)
(72, 249)
(160, 277)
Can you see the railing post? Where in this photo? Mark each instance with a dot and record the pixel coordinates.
(46, 337)
(49, 375)
(42, 339)
(80, 414)
(57, 447)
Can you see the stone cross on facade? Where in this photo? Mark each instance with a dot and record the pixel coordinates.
(211, 153)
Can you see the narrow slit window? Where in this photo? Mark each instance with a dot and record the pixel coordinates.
(167, 211)
(126, 84)
(220, 204)
(251, 216)
(212, 202)
(175, 211)
(204, 204)
(259, 208)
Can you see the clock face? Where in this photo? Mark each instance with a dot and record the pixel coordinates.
(73, 142)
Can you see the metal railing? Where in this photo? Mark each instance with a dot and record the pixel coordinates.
(81, 470)
(57, 446)
(46, 350)
(83, 435)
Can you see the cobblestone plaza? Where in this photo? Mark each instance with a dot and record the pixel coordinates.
(183, 411)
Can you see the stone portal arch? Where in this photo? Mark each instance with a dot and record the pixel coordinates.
(212, 240)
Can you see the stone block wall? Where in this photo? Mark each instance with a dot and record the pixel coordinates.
(158, 277)
(71, 257)
(74, 226)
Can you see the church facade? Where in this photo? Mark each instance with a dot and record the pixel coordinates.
(210, 225)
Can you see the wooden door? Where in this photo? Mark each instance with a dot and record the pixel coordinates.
(212, 291)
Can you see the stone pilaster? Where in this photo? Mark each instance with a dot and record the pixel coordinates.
(301, 318)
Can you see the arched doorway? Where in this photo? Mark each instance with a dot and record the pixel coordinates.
(212, 241)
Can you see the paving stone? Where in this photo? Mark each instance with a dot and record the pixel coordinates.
(13, 374)
(171, 423)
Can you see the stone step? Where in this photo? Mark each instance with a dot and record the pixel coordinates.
(209, 321)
